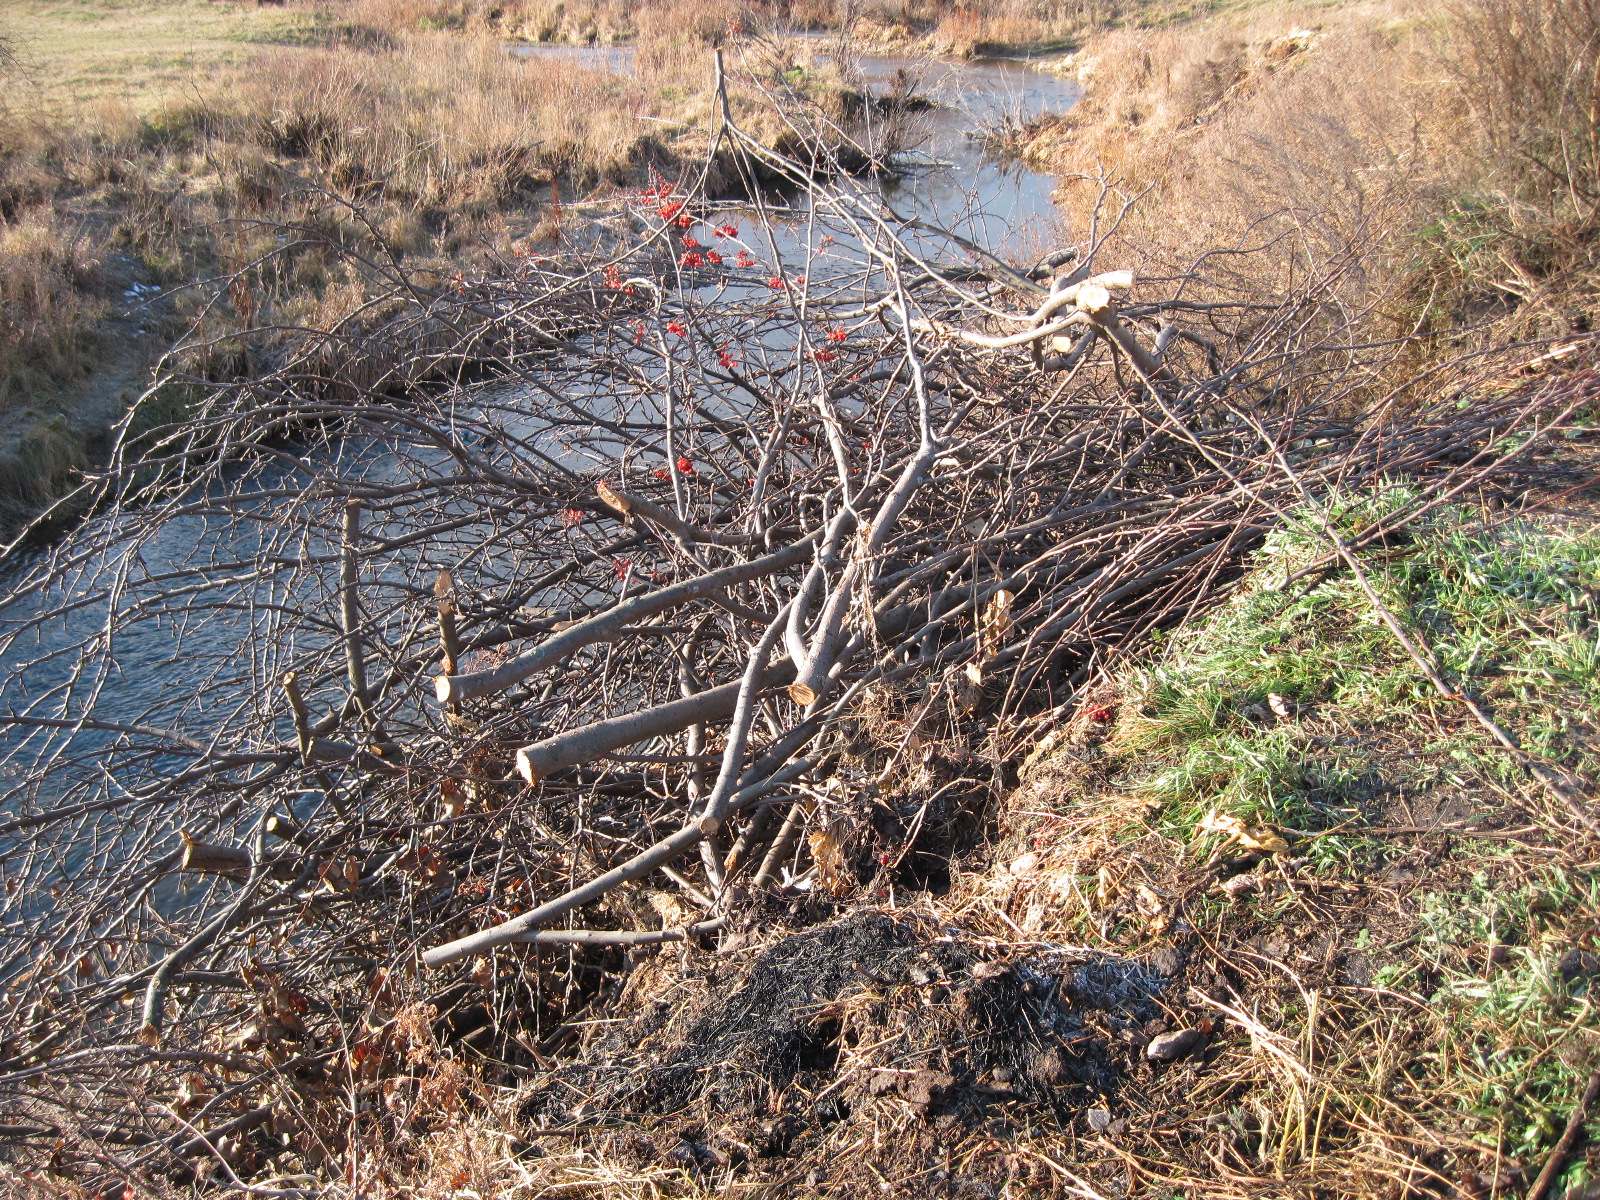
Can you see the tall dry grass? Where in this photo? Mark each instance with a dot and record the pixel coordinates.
(1451, 152)
(582, 22)
(49, 306)
(1298, 129)
(1000, 25)
(951, 26)
(440, 121)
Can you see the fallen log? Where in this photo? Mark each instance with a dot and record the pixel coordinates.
(575, 746)
(450, 689)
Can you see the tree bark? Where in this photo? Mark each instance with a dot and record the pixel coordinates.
(544, 758)
(605, 626)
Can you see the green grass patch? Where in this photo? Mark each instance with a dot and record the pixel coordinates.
(1511, 611)
(1511, 962)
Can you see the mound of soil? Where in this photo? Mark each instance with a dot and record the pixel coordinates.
(875, 1014)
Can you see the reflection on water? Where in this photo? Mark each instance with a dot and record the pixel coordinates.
(1002, 205)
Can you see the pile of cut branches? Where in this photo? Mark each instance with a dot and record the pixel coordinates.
(369, 719)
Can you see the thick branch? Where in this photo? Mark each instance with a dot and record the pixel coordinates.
(544, 758)
(606, 625)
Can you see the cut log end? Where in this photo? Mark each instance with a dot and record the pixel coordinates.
(214, 860)
(525, 767)
(620, 503)
(1093, 298)
(802, 694)
(444, 689)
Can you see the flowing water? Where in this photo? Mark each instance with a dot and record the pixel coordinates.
(172, 672)
(951, 178)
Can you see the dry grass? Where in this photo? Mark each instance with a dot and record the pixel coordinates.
(1448, 149)
(1305, 125)
(48, 305)
(137, 51)
(949, 26)
(440, 121)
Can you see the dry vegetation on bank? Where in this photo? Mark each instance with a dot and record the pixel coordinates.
(1450, 144)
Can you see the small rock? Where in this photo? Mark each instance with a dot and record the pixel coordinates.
(1002, 1074)
(1099, 1119)
(1170, 1047)
(1240, 886)
(924, 1089)
(1357, 971)
(993, 969)
(1576, 963)
(882, 1083)
(1280, 706)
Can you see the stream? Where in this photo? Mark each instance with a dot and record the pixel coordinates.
(163, 670)
(952, 179)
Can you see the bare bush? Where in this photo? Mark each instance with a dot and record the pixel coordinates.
(1529, 71)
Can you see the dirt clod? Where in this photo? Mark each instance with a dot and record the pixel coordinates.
(1170, 1047)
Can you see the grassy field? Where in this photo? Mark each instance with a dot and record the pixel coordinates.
(78, 52)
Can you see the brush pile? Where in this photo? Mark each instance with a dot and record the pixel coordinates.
(380, 717)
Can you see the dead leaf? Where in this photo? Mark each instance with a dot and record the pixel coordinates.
(452, 799)
(1106, 887)
(1150, 904)
(671, 910)
(994, 624)
(827, 851)
(1239, 886)
(1235, 831)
